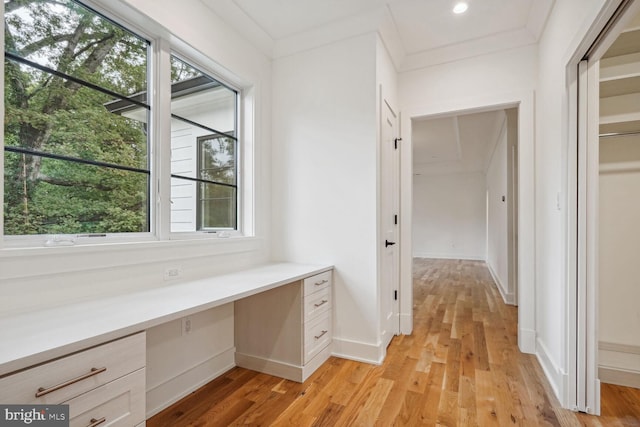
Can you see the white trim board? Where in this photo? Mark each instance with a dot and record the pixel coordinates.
(553, 372)
(619, 364)
(619, 348)
(621, 377)
(359, 351)
(508, 298)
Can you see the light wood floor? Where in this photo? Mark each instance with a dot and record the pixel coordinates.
(461, 366)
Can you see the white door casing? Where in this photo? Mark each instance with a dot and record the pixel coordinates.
(588, 386)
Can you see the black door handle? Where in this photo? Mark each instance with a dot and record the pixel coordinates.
(388, 243)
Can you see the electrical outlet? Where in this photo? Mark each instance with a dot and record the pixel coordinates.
(186, 325)
(171, 273)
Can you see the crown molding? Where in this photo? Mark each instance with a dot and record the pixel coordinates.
(242, 23)
(469, 49)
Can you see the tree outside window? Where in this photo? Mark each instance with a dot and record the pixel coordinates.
(71, 166)
(76, 141)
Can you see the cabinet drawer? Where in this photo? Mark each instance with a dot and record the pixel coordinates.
(316, 303)
(317, 335)
(75, 374)
(119, 403)
(315, 283)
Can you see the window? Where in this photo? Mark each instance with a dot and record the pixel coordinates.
(70, 165)
(217, 191)
(203, 151)
(79, 145)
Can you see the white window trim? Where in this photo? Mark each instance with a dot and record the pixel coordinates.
(163, 44)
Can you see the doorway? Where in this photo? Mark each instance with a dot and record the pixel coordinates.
(525, 298)
(464, 197)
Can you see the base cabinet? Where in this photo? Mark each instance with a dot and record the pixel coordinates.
(286, 331)
(103, 386)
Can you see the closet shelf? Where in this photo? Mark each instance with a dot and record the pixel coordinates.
(626, 43)
(620, 85)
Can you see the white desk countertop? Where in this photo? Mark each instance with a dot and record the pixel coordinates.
(31, 338)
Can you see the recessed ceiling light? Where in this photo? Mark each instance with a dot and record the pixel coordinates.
(460, 8)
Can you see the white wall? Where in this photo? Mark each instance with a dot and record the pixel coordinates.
(498, 213)
(473, 78)
(32, 279)
(325, 178)
(449, 216)
(619, 257)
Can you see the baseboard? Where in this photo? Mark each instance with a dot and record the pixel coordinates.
(527, 340)
(434, 255)
(284, 370)
(619, 364)
(271, 367)
(406, 323)
(170, 391)
(619, 376)
(508, 298)
(554, 374)
(619, 348)
(311, 366)
(358, 351)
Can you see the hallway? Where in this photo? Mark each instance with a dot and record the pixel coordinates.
(461, 366)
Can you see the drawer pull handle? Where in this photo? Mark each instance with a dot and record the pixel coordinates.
(324, 301)
(322, 282)
(94, 371)
(95, 422)
(320, 336)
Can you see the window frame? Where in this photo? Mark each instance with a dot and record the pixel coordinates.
(161, 46)
(199, 199)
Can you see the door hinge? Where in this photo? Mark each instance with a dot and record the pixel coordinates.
(395, 143)
(395, 219)
(395, 295)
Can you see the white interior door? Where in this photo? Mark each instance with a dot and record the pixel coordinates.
(390, 189)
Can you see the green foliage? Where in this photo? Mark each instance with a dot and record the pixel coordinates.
(52, 115)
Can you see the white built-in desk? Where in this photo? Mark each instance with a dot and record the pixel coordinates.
(32, 339)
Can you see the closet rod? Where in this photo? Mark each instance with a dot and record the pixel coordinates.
(612, 134)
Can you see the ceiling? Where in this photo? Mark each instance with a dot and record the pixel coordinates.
(417, 33)
(455, 144)
(419, 27)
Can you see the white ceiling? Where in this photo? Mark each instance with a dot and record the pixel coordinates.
(285, 18)
(418, 33)
(419, 26)
(462, 143)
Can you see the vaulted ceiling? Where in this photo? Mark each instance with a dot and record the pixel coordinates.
(418, 32)
(461, 143)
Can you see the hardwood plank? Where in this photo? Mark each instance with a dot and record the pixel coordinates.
(461, 366)
(373, 405)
